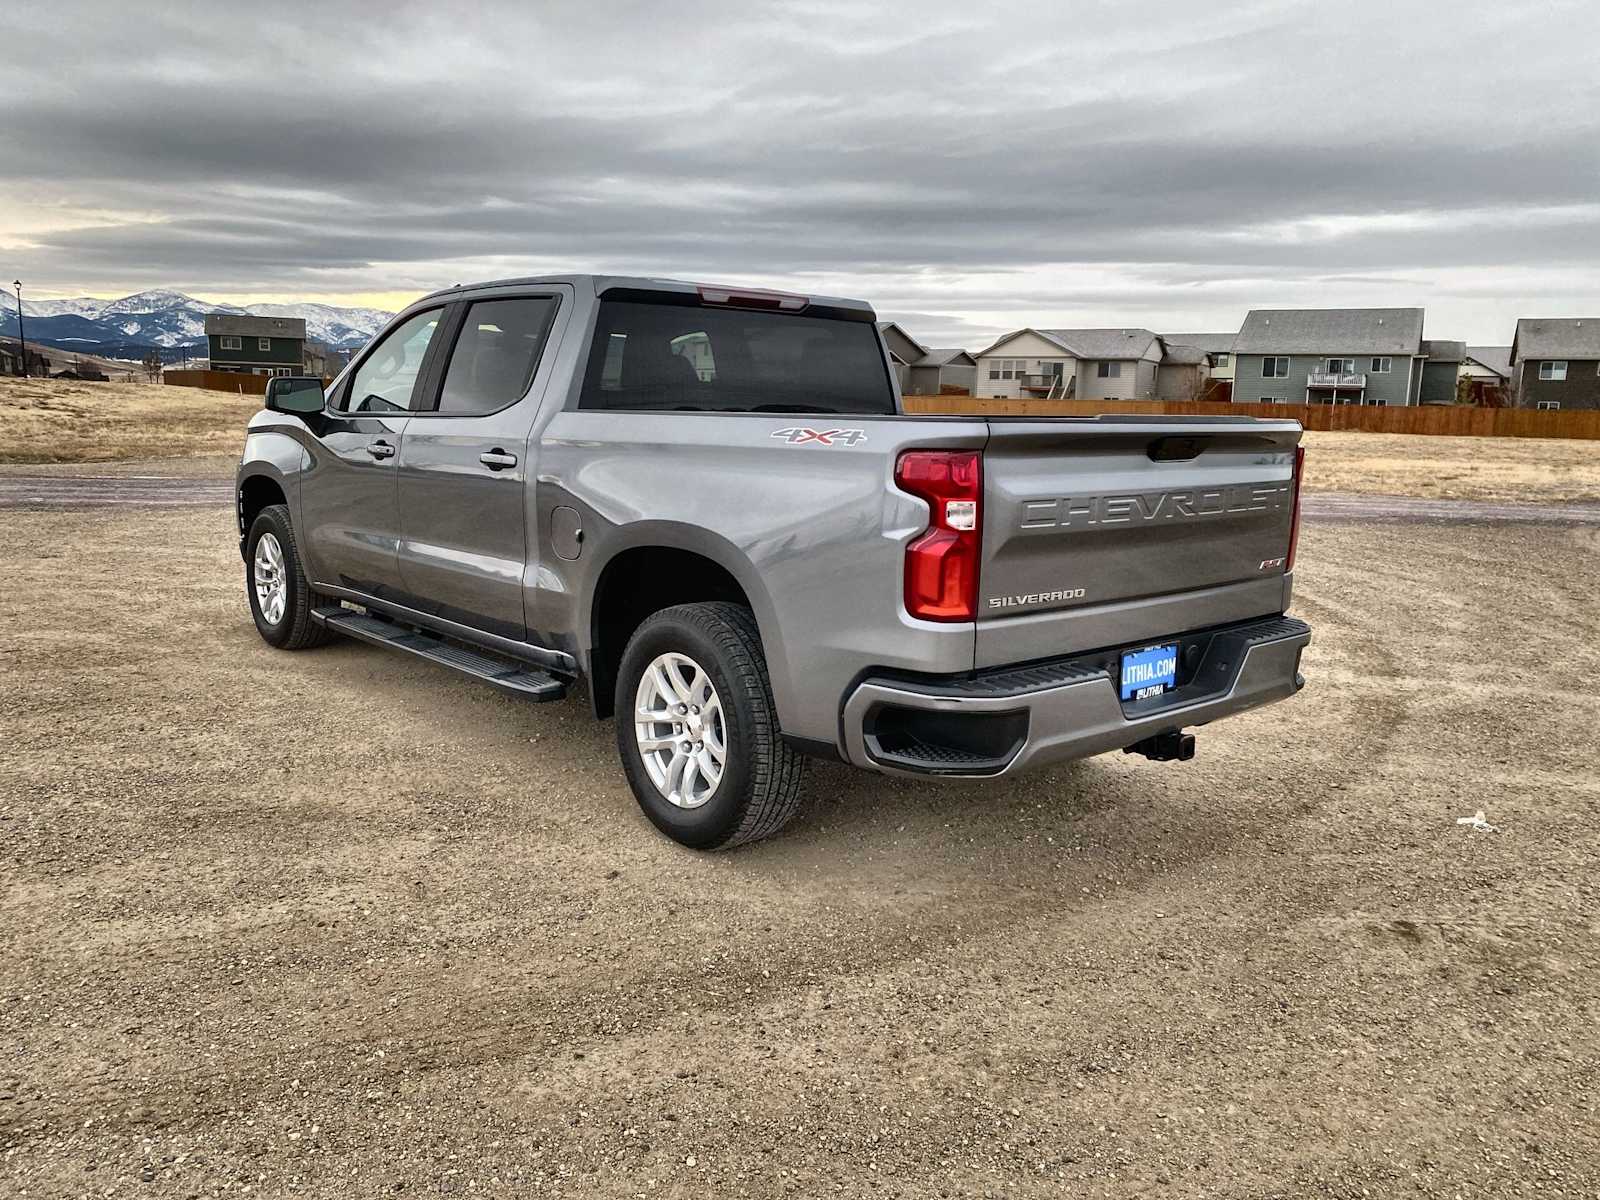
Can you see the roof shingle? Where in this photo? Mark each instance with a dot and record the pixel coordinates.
(1389, 331)
(1556, 337)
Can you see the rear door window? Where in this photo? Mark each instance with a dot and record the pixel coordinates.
(496, 354)
(664, 356)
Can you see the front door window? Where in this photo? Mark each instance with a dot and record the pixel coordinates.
(386, 380)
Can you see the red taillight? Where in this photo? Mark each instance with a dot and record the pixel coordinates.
(1294, 521)
(942, 564)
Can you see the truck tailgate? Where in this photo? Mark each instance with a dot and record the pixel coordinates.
(1113, 530)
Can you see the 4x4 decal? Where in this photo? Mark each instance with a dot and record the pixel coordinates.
(799, 436)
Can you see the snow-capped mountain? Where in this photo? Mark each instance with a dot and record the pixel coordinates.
(169, 321)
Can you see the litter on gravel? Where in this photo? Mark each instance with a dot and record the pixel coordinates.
(1477, 823)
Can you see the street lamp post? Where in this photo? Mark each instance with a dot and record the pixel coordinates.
(22, 334)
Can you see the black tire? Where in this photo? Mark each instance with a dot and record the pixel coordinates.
(759, 789)
(294, 629)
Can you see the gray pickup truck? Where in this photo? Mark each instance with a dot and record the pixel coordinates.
(707, 504)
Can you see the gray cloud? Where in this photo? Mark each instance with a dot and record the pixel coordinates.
(972, 169)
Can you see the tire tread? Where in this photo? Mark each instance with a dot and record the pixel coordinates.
(777, 771)
(303, 632)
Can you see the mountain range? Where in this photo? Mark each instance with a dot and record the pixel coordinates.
(169, 322)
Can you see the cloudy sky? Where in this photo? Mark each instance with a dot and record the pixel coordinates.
(968, 168)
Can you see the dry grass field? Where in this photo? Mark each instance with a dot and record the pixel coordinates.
(50, 421)
(62, 421)
(1548, 470)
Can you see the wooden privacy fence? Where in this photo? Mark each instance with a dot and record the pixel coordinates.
(218, 381)
(1450, 420)
(223, 381)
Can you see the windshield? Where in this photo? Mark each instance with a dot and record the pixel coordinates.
(677, 356)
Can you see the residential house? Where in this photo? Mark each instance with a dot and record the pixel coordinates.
(1329, 356)
(1218, 345)
(11, 359)
(1441, 371)
(1085, 364)
(256, 345)
(1486, 373)
(1196, 366)
(923, 371)
(947, 372)
(1555, 362)
(1183, 373)
(322, 360)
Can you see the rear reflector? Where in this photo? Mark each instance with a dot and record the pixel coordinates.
(1294, 521)
(751, 298)
(942, 563)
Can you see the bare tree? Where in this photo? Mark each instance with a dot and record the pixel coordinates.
(152, 366)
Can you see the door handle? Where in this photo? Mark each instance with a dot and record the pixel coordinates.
(380, 449)
(497, 459)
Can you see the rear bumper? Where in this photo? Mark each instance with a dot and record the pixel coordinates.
(1000, 722)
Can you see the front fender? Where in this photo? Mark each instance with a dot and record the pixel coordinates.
(270, 452)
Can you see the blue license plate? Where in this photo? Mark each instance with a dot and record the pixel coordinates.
(1149, 672)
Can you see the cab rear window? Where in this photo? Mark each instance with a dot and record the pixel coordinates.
(691, 358)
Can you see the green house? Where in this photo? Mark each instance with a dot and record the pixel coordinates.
(256, 345)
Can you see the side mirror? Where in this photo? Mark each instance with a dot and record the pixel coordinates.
(300, 395)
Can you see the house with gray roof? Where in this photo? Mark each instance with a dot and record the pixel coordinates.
(1329, 356)
(253, 345)
(1218, 345)
(1555, 362)
(927, 371)
(1084, 364)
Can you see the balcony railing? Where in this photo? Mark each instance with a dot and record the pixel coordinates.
(1335, 379)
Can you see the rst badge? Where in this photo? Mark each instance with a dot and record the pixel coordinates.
(799, 436)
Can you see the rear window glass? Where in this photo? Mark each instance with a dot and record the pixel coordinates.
(684, 357)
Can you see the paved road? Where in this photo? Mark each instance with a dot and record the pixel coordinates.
(62, 491)
(1353, 506)
(112, 491)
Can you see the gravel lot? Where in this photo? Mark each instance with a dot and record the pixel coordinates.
(341, 924)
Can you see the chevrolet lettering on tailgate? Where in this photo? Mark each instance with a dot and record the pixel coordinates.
(1189, 504)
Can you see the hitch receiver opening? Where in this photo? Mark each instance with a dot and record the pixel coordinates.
(1171, 746)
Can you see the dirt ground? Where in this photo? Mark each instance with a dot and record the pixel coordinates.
(54, 421)
(343, 924)
(62, 421)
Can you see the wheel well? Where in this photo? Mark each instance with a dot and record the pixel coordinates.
(256, 493)
(634, 585)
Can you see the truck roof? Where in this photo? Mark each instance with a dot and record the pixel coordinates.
(602, 284)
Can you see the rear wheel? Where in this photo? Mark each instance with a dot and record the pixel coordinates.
(698, 732)
(281, 598)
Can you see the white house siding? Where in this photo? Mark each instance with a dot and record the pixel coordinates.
(1137, 381)
(1028, 346)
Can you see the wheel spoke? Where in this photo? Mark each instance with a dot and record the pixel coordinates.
(675, 774)
(709, 767)
(663, 685)
(691, 772)
(649, 745)
(681, 687)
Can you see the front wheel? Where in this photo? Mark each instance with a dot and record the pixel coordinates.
(281, 598)
(698, 732)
